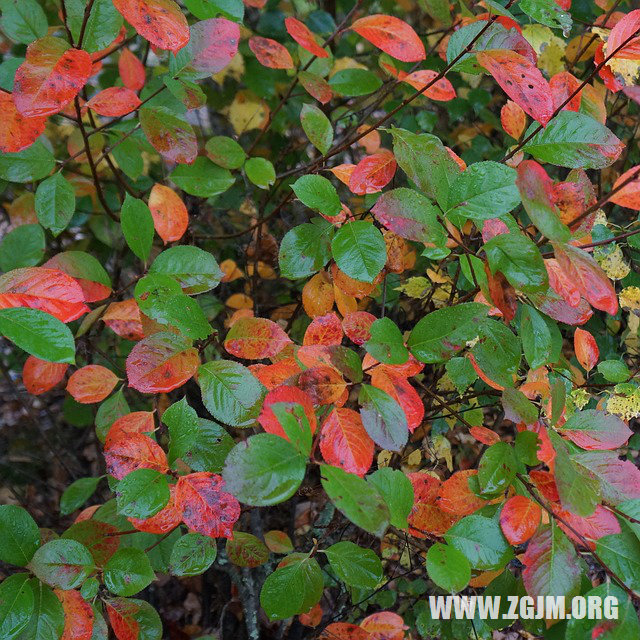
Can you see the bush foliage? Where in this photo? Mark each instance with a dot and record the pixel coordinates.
(341, 296)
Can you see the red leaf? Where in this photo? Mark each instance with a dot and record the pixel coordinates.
(384, 625)
(324, 384)
(344, 631)
(170, 217)
(114, 102)
(167, 519)
(289, 396)
(162, 362)
(16, 131)
(600, 523)
(270, 53)
(205, 507)
(135, 422)
(513, 119)
(213, 44)
(357, 325)
(456, 497)
(519, 519)
(131, 71)
(629, 195)
(161, 22)
(273, 375)
(391, 35)
(345, 443)
(92, 383)
(255, 338)
(545, 484)
(484, 435)
(131, 451)
(66, 261)
(373, 173)
(313, 618)
(402, 392)
(521, 80)
(591, 280)
(502, 293)
(123, 318)
(49, 290)
(78, 615)
(560, 282)
(586, 348)
(596, 430)
(316, 86)
(622, 31)
(121, 614)
(324, 330)
(563, 85)
(426, 516)
(50, 77)
(304, 37)
(441, 90)
(39, 376)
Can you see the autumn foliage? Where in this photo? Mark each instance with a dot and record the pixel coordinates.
(334, 306)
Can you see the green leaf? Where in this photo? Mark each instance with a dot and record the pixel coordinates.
(359, 250)
(481, 541)
(448, 567)
(205, 9)
(260, 171)
(541, 338)
(128, 155)
(76, 494)
(354, 82)
(89, 589)
(16, 605)
(79, 264)
(549, 13)
(47, 621)
(23, 20)
(461, 372)
(230, 392)
(397, 491)
(103, 24)
(192, 554)
(574, 140)
(441, 333)
(386, 343)
(621, 553)
(225, 152)
(263, 470)
(29, 165)
(128, 571)
(497, 468)
(383, 418)
(318, 194)
(195, 269)
(426, 162)
(55, 203)
(484, 190)
(137, 226)
(149, 625)
(357, 499)
(202, 178)
(109, 411)
(62, 563)
(614, 370)
(20, 535)
(305, 249)
(518, 408)
(245, 550)
(354, 565)
(518, 258)
(293, 588)
(526, 447)
(438, 9)
(317, 127)
(22, 247)
(38, 333)
(142, 493)
(497, 352)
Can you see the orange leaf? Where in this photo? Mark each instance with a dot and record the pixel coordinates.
(162, 362)
(343, 172)
(384, 625)
(273, 375)
(121, 613)
(519, 519)
(324, 330)
(629, 195)
(92, 383)
(313, 618)
(546, 484)
(161, 22)
(49, 290)
(316, 86)
(135, 422)
(317, 295)
(484, 435)
(357, 325)
(50, 77)
(586, 348)
(345, 443)
(304, 37)
(132, 451)
(290, 396)
(373, 173)
(391, 35)
(131, 71)
(78, 615)
(39, 376)
(521, 80)
(441, 90)
(426, 516)
(167, 519)
(169, 213)
(114, 102)
(402, 392)
(513, 119)
(324, 384)
(255, 338)
(563, 85)
(600, 523)
(344, 631)
(123, 318)
(17, 132)
(270, 53)
(456, 497)
(205, 507)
